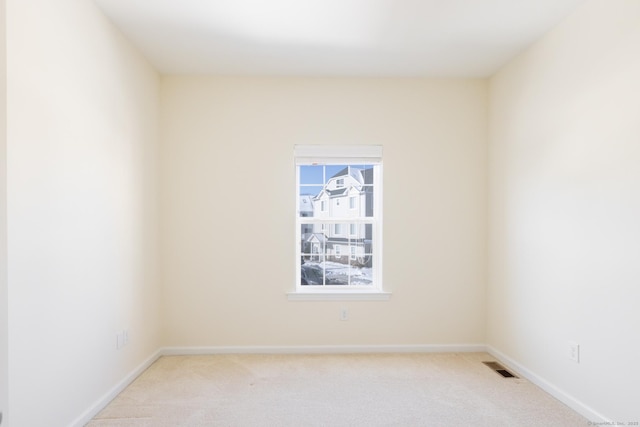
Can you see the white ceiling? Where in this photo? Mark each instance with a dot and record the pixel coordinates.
(441, 38)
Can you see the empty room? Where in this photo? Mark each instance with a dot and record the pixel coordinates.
(319, 212)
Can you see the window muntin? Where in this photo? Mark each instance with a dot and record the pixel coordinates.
(356, 192)
(338, 246)
(338, 263)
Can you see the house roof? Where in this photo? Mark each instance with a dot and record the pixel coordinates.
(337, 192)
(341, 172)
(305, 203)
(320, 237)
(363, 176)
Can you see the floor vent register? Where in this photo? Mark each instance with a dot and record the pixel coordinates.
(497, 367)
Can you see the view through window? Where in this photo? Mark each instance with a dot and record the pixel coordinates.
(338, 223)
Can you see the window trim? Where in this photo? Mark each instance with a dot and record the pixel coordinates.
(339, 296)
(339, 155)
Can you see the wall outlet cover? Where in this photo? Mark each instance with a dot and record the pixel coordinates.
(574, 351)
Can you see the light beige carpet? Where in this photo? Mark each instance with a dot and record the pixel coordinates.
(432, 389)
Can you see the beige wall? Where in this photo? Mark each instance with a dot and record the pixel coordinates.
(4, 326)
(82, 218)
(228, 202)
(81, 148)
(564, 208)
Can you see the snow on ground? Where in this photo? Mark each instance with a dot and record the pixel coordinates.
(338, 273)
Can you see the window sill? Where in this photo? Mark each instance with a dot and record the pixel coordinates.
(338, 296)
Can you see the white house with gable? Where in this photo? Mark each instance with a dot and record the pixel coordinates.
(346, 195)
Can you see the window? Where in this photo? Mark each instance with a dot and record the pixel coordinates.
(352, 202)
(339, 252)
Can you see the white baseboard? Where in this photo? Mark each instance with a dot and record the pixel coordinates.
(101, 403)
(584, 410)
(328, 349)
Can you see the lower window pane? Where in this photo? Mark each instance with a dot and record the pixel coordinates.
(318, 273)
(361, 272)
(312, 274)
(336, 254)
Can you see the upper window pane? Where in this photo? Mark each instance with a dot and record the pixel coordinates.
(336, 191)
(312, 175)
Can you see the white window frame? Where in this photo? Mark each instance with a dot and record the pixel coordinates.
(342, 155)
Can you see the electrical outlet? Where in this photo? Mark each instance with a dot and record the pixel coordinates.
(119, 340)
(574, 351)
(122, 338)
(344, 314)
